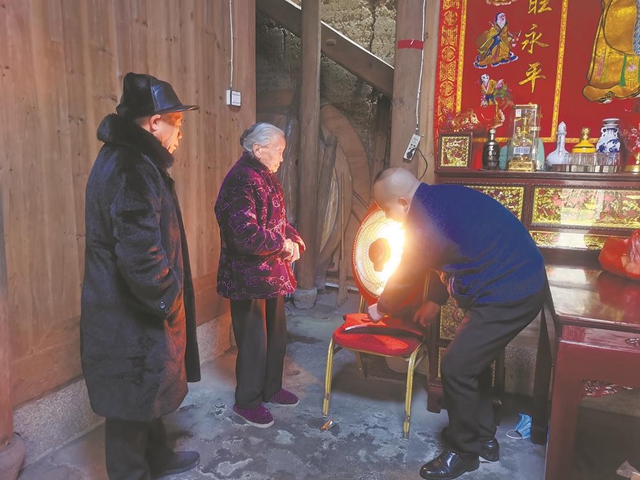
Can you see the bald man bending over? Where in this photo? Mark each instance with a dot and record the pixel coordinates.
(492, 269)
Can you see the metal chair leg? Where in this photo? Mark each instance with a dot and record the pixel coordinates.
(409, 391)
(362, 305)
(327, 379)
(362, 366)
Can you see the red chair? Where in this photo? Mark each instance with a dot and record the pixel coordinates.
(391, 337)
(360, 335)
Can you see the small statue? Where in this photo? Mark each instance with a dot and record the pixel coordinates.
(557, 157)
(584, 146)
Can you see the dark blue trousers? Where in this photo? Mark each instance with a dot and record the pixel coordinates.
(466, 368)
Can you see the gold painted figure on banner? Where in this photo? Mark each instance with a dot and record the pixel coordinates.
(495, 93)
(488, 88)
(614, 71)
(495, 44)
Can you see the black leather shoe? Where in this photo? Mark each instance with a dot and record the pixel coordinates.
(449, 465)
(179, 462)
(489, 449)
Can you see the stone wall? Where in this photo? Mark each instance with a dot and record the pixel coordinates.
(370, 23)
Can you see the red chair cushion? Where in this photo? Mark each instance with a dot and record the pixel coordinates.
(391, 345)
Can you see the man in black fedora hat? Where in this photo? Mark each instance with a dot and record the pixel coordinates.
(138, 329)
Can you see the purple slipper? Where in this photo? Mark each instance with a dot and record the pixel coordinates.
(259, 416)
(285, 398)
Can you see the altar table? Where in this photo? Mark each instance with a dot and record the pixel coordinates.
(590, 338)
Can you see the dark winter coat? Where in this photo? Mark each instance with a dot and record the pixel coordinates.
(253, 227)
(138, 330)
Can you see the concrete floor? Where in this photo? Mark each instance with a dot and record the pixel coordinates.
(366, 442)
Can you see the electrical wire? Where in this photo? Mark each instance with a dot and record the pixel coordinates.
(424, 13)
(231, 23)
(426, 164)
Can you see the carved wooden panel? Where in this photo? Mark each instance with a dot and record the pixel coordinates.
(586, 207)
(510, 197)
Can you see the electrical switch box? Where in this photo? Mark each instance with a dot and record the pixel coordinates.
(234, 98)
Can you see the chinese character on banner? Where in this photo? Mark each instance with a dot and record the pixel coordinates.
(532, 39)
(539, 6)
(534, 72)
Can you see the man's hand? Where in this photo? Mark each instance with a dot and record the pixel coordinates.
(427, 313)
(374, 314)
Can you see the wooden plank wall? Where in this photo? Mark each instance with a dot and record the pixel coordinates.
(61, 64)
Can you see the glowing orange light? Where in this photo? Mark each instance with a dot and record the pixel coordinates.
(372, 277)
(392, 231)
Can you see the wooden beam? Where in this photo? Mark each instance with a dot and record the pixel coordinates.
(342, 50)
(427, 102)
(308, 159)
(409, 18)
(6, 404)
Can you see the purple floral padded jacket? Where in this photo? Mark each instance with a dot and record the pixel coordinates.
(253, 227)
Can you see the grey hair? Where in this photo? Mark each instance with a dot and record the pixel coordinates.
(260, 134)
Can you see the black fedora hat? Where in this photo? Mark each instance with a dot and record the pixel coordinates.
(144, 95)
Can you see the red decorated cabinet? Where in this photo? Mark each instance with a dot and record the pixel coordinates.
(569, 215)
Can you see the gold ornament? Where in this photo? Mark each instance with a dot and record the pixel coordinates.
(584, 146)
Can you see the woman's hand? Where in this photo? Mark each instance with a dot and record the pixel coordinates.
(296, 252)
(291, 250)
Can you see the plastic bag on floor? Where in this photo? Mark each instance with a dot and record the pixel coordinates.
(522, 429)
(626, 470)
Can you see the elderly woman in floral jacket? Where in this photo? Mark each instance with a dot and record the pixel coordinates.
(258, 247)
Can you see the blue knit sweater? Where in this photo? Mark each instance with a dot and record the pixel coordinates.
(482, 251)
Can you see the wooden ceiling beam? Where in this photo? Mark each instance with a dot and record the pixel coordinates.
(345, 52)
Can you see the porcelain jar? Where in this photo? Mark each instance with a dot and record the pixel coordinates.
(609, 141)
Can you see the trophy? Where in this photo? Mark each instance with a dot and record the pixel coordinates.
(524, 140)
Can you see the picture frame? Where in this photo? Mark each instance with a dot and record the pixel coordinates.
(454, 151)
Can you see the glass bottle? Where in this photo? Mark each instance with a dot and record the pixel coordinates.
(560, 154)
(491, 152)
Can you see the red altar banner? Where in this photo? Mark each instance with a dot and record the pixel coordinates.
(577, 59)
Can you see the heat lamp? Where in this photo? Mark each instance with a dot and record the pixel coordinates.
(377, 249)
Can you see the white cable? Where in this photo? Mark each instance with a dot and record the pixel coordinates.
(424, 13)
(231, 23)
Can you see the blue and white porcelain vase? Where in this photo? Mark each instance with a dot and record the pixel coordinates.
(609, 141)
